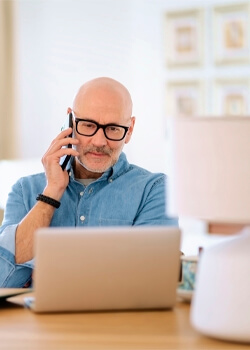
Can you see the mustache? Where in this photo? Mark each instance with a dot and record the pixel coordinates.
(103, 150)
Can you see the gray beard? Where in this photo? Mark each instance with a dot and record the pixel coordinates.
(91, 170)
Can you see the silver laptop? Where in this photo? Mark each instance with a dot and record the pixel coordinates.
(115, 268)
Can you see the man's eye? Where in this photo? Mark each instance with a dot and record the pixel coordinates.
(113, 128)
(88, 125)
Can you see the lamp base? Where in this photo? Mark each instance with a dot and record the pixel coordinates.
(221, 303)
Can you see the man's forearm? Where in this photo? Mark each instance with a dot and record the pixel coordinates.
(39, 216)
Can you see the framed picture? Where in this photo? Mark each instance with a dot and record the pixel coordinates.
(183, 37)
(232, 97)
(185, 98)
(231, 31)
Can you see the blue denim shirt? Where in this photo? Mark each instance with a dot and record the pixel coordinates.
(124, 195)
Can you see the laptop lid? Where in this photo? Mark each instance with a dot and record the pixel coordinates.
(115, 268)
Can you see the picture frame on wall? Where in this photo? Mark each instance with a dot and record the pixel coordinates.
(185, 98)
(232, 97)
(231, 32)
(183, 37)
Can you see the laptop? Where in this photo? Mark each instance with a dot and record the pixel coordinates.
(6, 293)
(105, 268)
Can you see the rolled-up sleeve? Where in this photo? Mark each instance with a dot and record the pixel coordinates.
(12, 275)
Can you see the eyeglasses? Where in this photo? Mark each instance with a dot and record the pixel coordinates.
(89, 128)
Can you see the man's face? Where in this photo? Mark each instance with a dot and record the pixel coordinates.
(97, 153)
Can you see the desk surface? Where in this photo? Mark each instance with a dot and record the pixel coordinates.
(20, 328)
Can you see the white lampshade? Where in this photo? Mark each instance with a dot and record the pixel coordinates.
(210, 170)
(209, 179)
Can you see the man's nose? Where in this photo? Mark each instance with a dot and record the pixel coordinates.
(99, 138)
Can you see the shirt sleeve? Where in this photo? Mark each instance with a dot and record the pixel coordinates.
(13, 275)
(153, 210)
(15, 209)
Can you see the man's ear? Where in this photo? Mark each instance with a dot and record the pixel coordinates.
(130, 130)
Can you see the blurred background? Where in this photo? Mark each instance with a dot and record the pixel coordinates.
(176, 57)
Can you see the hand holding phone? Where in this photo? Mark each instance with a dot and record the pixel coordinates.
(67, 160)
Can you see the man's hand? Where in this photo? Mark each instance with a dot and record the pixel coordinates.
(57, 179)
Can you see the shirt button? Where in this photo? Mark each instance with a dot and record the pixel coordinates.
(82, 217)
(110, 180)
(81, 193)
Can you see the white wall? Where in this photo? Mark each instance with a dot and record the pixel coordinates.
(64, 43)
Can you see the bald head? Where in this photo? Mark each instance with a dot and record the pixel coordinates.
(104, 93)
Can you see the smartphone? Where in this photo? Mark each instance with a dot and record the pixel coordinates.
(67, 160)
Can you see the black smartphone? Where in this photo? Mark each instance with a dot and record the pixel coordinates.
(67, 160)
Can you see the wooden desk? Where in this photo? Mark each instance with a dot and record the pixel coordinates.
(21, 329)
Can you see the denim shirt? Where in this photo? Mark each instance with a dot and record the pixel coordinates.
(124, 195)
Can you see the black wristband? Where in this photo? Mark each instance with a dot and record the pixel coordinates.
(48, 200)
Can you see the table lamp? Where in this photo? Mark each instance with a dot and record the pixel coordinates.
(209, 179)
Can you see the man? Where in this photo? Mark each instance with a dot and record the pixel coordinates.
(101, 189)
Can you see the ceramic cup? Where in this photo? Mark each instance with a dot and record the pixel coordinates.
(189, 267)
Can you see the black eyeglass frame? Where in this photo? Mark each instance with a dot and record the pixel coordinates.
(100, 126)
